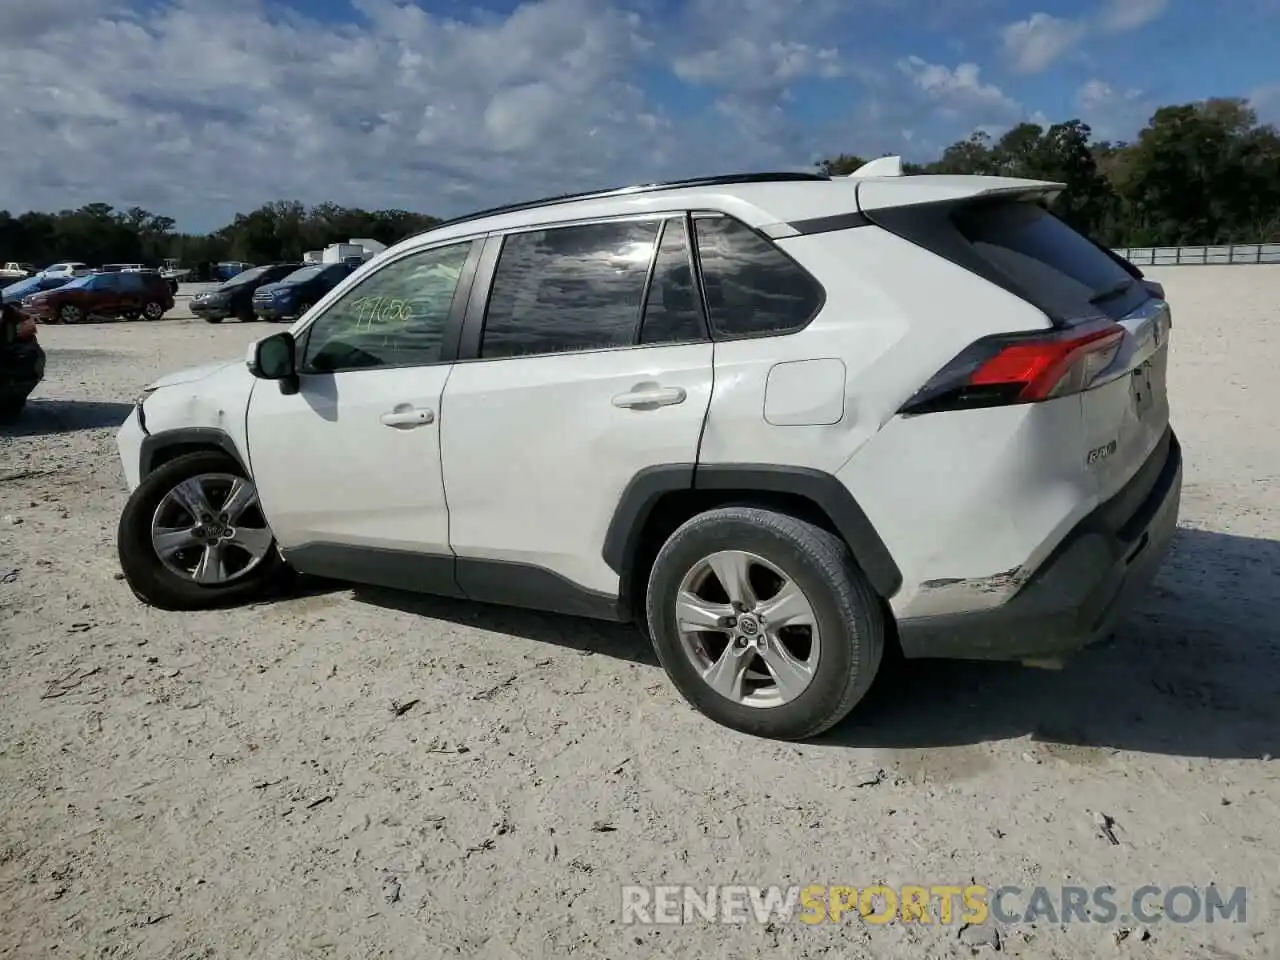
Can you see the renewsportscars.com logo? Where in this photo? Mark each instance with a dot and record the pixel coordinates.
(936, 903)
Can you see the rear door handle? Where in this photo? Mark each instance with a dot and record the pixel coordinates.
(408, 417)
(649, 396)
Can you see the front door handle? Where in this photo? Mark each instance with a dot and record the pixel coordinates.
(408, 417)
(648, 396)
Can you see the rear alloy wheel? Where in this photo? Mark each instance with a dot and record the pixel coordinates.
(70, 313)
(153, 310)
(193, 536)
(764, 622)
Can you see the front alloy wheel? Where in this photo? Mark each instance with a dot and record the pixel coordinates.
(193, 536)
(210, 529)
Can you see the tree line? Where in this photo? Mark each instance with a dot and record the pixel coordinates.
(1198, 173)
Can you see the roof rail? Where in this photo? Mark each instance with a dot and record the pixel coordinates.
(723, 180)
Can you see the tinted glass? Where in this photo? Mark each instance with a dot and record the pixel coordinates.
(1042, 254)
(672, 313)
(568, 289)
(752, 287)
(131, 281)
(395, 317)
(247, 276)
(306, 273)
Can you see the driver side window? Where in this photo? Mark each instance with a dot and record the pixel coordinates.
(393, 318)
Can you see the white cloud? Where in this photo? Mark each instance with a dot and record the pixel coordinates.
(200, 108)
(960, 93)
(1033, 44)
(1120, 16)
(1112, 114)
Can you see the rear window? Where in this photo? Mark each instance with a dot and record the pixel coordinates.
(1060, 270)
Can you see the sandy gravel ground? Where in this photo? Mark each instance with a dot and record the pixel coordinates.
(239, 784)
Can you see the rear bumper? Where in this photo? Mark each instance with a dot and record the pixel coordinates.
(1080, 592)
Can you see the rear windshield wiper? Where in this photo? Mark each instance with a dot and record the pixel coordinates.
(1112, 292)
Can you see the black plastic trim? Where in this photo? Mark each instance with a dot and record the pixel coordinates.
(478, 300)
(638, 499)
(839, 221)
(533, 588)
(484, 581)
(832, 496)
(156, 443)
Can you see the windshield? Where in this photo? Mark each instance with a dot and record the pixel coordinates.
(248, 276)
(306, 273)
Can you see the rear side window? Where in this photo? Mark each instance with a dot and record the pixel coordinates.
(752, 287)
(1060, 270)
(569, 289)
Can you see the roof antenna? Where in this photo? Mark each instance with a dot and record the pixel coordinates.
(881, 167)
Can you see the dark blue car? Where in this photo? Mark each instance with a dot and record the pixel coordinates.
(294, 295)
(14, 292)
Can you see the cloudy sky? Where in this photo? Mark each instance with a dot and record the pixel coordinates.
(200, 108)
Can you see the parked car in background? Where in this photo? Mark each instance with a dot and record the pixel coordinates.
(230, 268)
(234, 298)
(21, 360)
(117, 295)
(295, 294)
(14, 292)
(69, 268)
(13, 270)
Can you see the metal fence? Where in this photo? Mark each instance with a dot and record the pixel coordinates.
(1240, 253)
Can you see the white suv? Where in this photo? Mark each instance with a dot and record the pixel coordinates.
(779, 420)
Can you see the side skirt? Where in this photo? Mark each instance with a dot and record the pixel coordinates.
(485, 581)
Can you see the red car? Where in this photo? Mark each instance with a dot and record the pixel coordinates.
(125, 295)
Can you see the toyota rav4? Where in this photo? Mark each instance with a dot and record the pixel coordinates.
(781, 421)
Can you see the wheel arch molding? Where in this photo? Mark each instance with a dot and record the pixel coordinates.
(720, 483)
(160, 448)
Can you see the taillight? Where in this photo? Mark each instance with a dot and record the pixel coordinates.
(1020, 368)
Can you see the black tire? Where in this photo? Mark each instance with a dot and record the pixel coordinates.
(153, 310)
(847, 610)
(154, 583)
(303, 307)
(213, 319)
(71, 314)
(246, 315)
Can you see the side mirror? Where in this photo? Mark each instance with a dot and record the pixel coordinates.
(275, 358)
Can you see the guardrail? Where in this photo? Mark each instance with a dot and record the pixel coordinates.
(1238, 253)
